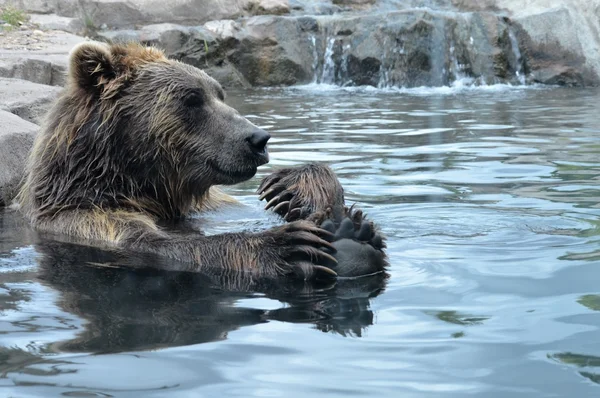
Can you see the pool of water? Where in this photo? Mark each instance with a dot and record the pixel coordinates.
(489, 197)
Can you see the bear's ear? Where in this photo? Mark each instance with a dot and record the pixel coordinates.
(91, 65)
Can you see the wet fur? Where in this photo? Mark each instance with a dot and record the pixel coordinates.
(135, 140)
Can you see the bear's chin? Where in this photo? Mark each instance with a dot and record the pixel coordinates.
(229, 177)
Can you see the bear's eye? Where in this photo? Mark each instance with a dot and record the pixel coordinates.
(193, 100)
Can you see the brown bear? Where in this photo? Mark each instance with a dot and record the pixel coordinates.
(136, 142)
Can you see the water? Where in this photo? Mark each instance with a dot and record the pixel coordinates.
(518, 59)
(490, 200)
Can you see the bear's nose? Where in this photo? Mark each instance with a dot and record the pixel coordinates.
(258, 140)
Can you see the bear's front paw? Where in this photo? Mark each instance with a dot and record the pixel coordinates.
(296, 193)
(302, 250)
(359, 244)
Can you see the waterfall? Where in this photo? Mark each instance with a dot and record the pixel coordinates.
(344, 65)
(328, 73)
(383, 73)
(514, 43)
(451, 51)
(457, 68)
(315, 64)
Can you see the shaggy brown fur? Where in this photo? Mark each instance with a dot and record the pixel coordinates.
(137, 139)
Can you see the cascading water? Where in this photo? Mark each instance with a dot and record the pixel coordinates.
(434, 49)
(315, 65)
(328, 73)
(344, 65)
(514, 43)
(383, 72)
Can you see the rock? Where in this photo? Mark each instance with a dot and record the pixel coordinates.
(224, 28)
(268, 7)
(49, 71)
(271, 51)
(103, 14)
(557, 52)
(559, 37)
(407, 48)
(314, 7)
(56, 22)
(28, 100)
(45, 64)
(16, 140)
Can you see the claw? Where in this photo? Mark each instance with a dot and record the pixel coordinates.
(293, 215)
(271, 202)
(281, 206)
(309, 238)
(267, 182)
(266, 193)
(329, 257)
(323, 233)
(310, 227)
(314, 253)
(284, 195)
(325, 269)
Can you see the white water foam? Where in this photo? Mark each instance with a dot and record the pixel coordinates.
(463, 85)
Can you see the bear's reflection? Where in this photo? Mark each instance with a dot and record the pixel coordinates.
(142, 309)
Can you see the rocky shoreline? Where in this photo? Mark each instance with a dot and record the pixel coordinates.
(246, 43)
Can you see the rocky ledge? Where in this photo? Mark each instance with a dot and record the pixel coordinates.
(345, 42)
(279, 42)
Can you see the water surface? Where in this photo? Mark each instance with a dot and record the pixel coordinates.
(490, 201)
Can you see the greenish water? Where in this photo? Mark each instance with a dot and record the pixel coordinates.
(489, 198)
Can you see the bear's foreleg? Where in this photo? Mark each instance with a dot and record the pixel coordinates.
(298, 249)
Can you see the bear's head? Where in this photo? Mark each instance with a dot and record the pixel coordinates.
(135, 128)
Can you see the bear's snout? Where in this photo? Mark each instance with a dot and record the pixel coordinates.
(257, 140)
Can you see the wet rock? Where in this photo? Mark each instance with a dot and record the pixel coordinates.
(16, 140)
(557, 52)
(28, 100)
(271, 51)
(559, 37)
(413, 48)
(407, 48)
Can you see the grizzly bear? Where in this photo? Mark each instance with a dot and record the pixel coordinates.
(136, 142)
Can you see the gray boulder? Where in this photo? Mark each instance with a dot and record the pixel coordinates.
(43, 61)
(559, 38)
(129, 13)
(28, 100)
(16, 140)
(56, 22)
